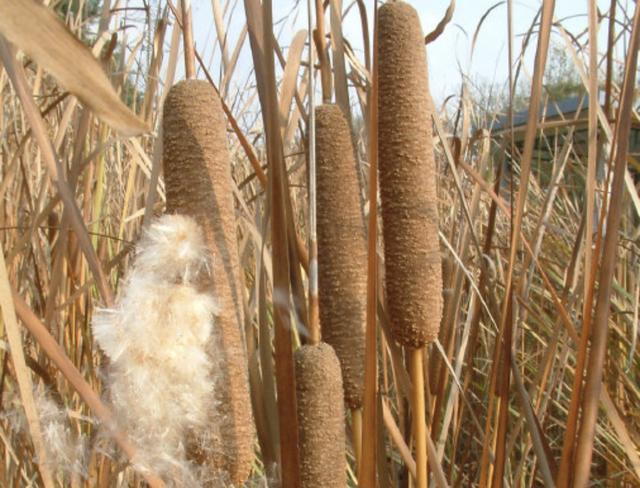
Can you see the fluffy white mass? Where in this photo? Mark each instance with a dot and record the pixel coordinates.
(173, 249)
(156, 338)
(66, 451)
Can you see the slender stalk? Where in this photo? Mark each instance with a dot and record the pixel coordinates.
(285, 373)
(325, 69)
(611, 35)
(367, 466)
(529, 144)
(418, 411)
(187, 36)
(564, 472)
(356, 427)
(314, 317)
(23, 376)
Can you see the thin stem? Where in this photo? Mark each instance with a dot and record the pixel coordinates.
(356, 428)
(600, 324)
(187, 36)
(325, 70)
(367, 465)
(418, 411)
(314, 319)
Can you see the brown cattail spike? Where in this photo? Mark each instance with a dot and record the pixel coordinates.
(198, 183)
(320, 417)
(408, 178)
(342, 252)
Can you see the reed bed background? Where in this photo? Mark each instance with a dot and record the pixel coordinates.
(533, 379)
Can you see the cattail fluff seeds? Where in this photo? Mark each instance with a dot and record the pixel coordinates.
(198, 183)
(342, 252)
(160, 319)
(407, 178)
(320, 417)
(66, 451)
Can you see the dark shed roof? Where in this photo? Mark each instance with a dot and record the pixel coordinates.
(552, 110)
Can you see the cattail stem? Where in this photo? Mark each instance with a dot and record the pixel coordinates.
(356, 428)
(418, 410)
(314, 311)
(325, 69)
(367, 464)
(187, 35)
(280, 223)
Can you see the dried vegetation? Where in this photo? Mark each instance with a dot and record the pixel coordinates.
(532, 377)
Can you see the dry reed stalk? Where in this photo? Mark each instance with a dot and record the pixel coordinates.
(314, 310)
(600, 323)
(187, 36)
(320, 417)
(370, 420)
(25, 382)
(198, 183)
(409, 201)
(318, 38)
(500, 377)
(342, 253)
(17, 75)
(564, 473)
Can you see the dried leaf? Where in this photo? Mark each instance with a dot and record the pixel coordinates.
(36, 30)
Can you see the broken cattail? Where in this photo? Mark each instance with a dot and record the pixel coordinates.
(320, 417)
(156, 337)
(407, 179)
(342, 252)
(198, 183)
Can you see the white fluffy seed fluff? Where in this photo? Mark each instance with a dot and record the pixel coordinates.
(173, 248)
(156, 337)
(66, 451)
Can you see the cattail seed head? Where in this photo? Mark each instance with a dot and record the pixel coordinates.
(407, 178)
(320, 417)
(159, 319)
(198, 183)
(342, 252)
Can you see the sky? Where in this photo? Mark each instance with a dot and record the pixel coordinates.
(449, 56)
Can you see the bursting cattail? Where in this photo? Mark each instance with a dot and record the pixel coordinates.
(198, 183)
(342, 252)
(156, 337)
(320, 417)
(407, 179)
